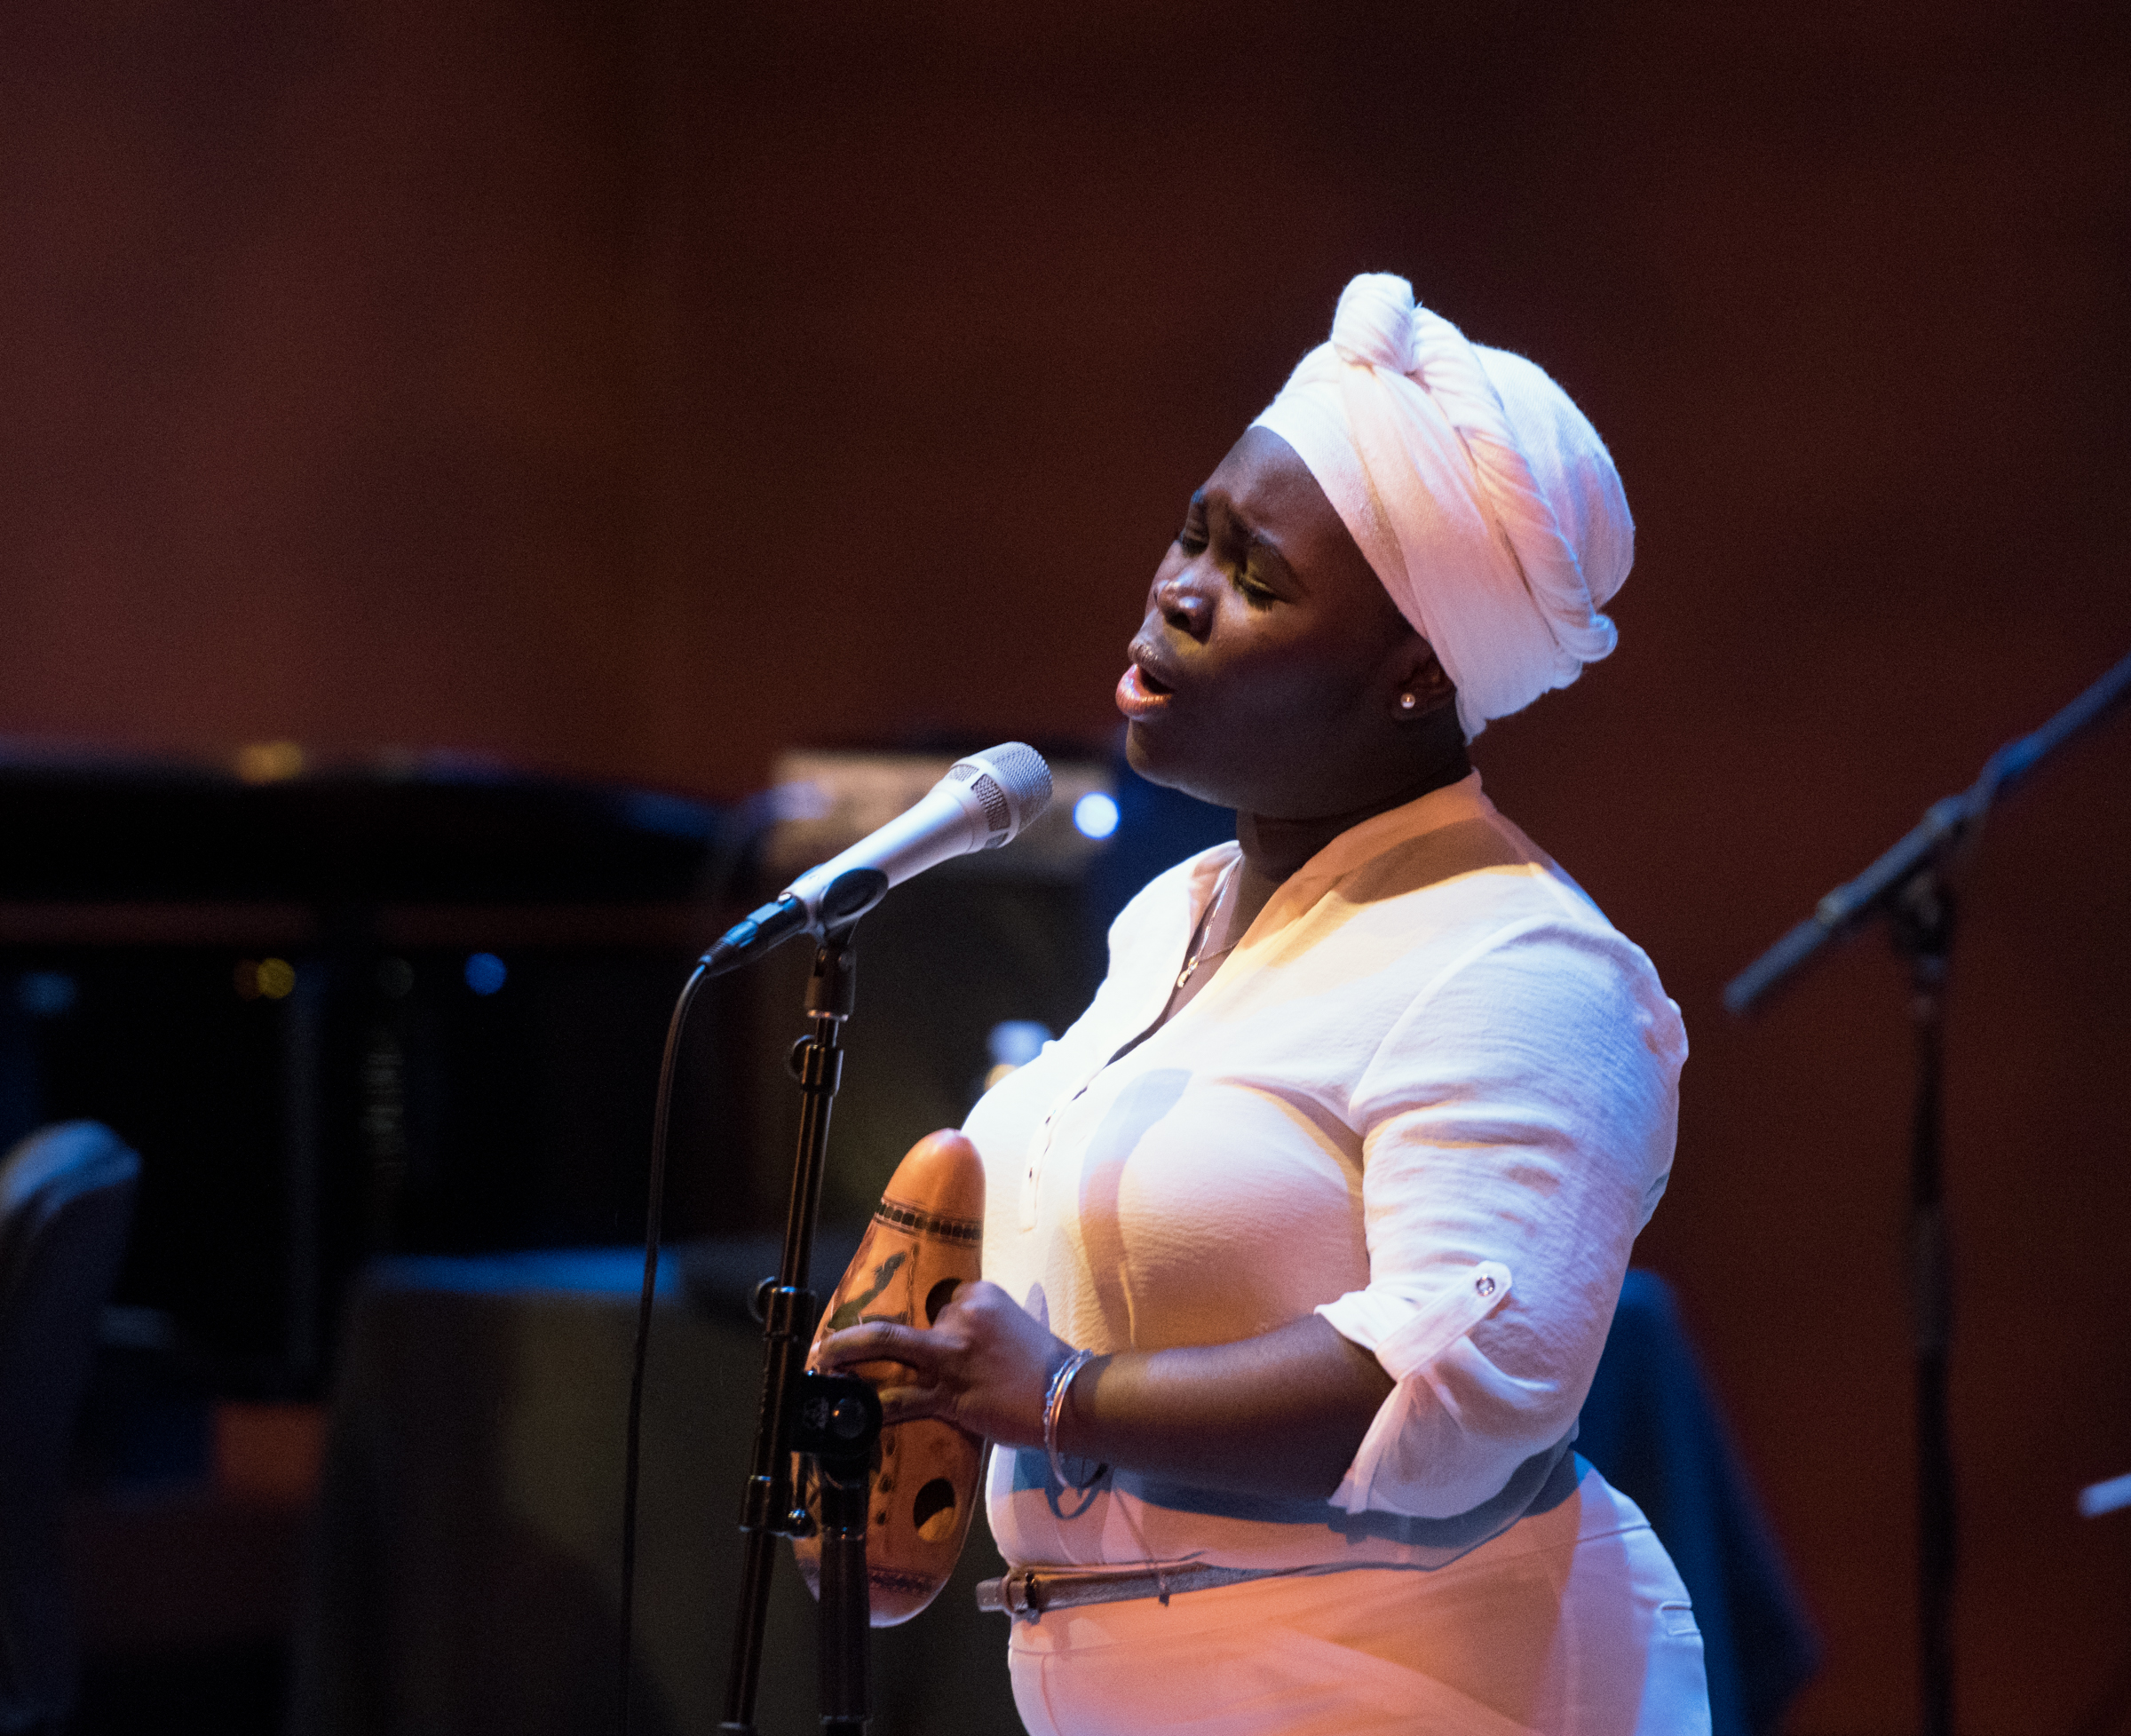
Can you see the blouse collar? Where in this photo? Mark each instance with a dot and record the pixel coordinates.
(1449, 806)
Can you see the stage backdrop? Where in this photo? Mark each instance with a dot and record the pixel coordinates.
(633, 389)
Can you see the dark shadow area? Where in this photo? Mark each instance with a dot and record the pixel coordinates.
(235, 1689)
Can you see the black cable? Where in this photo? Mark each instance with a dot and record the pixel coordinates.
(660, 1119)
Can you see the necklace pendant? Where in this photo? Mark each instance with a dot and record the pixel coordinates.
(1184, 975)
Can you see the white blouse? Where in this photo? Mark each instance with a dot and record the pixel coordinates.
(1431, 1096)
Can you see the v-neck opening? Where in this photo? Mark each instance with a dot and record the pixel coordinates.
(1462, 800)
(1193, 954)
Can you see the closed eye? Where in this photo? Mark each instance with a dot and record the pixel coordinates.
(1192, 538)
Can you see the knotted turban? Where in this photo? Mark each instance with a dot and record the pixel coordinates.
(1485, 501)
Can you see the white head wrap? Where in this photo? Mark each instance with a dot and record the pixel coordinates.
(1486, 501)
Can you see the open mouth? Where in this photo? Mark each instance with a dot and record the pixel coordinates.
(1140, 694)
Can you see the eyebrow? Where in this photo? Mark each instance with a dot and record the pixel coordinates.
(1252, 537)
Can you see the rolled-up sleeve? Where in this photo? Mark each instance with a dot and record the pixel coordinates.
(1518, 1123)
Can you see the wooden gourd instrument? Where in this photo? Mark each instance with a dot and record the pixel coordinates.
(926, 1237)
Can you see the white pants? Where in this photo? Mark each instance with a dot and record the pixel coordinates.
(1570, 1624)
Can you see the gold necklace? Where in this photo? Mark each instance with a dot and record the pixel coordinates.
(1197, 959)
(1199, 954)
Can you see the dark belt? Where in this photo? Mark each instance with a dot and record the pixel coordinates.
(1027, 1594)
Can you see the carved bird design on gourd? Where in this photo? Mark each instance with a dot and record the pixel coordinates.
(850, 1311)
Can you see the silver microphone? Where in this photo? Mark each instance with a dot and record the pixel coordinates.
(985, 800)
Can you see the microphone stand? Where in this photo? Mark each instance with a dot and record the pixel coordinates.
(834, 1418)
(1910, 885)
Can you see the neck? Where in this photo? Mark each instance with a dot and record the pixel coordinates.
(1274, 848)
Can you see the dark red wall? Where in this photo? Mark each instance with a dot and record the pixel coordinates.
(633, 390)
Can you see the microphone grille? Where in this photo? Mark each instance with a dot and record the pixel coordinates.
(1010, 782)
(998, 814)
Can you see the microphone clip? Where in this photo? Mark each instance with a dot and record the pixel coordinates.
(846, 897)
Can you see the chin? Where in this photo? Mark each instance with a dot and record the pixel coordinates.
(1159, 757)
(1144, 754)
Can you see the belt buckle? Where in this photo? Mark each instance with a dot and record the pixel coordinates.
(1013, 1594)
(1017, 1596)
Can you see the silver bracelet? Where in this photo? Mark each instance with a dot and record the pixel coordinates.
(1053, 1407)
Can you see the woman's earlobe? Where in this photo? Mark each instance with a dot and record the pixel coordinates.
(1424, 692)
(1427, 687)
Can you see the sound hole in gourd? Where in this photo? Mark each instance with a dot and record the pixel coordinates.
(933, 1510)
(938, 1296)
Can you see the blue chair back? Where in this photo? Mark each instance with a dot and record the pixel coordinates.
(66, 1205)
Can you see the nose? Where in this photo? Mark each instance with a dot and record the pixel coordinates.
(1184, 602)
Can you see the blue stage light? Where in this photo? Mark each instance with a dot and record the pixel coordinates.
(485, 973)
(1096, 814)
(45, 994)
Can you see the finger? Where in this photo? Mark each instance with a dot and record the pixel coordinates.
(880, 1340)
(978, 1296)
(908, 1401)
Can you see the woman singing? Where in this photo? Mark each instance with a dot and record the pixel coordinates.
(1301, 1245)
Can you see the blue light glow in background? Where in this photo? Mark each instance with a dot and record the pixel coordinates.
(1096, 814)
(45, 994)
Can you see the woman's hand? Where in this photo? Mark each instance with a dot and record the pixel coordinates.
(984, 1366)
(1281, 1413)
